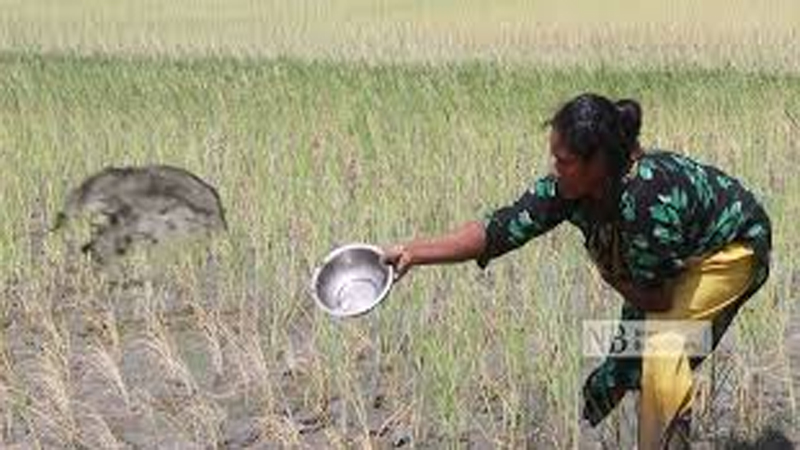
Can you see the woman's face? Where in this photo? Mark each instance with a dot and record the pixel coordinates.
(577, 178)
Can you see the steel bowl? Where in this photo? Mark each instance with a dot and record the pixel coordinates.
(351, 280)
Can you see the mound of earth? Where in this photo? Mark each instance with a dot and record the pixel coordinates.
(142, 204)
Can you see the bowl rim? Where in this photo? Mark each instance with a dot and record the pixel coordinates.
(333, 255)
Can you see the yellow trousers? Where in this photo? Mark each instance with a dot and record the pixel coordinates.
(702, 292)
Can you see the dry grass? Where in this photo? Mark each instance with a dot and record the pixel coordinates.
(742, 33)
(221, 346)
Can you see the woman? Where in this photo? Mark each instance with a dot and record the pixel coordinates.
(678, 240)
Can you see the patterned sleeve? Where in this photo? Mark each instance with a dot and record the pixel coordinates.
(538, 210)
(655, 211)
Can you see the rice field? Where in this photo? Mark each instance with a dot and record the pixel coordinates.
(338, 122)
(745, 34)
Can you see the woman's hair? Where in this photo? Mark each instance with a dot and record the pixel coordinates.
(591, 123)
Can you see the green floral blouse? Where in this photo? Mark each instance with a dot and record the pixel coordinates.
(670, 208)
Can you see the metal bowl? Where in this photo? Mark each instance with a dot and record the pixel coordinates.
(351, 280)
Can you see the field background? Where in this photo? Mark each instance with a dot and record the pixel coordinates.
(328, 122)
(749, 34)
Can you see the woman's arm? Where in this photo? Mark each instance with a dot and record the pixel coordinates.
(539, 209)
(465, 243)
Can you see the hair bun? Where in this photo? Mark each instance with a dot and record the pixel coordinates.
(630, 117)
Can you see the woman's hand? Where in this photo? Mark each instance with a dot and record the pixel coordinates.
(653, 300)
(465, 243)
(400, 258)
(612, 278)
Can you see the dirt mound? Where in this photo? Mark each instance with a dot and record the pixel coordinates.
(142, 204)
